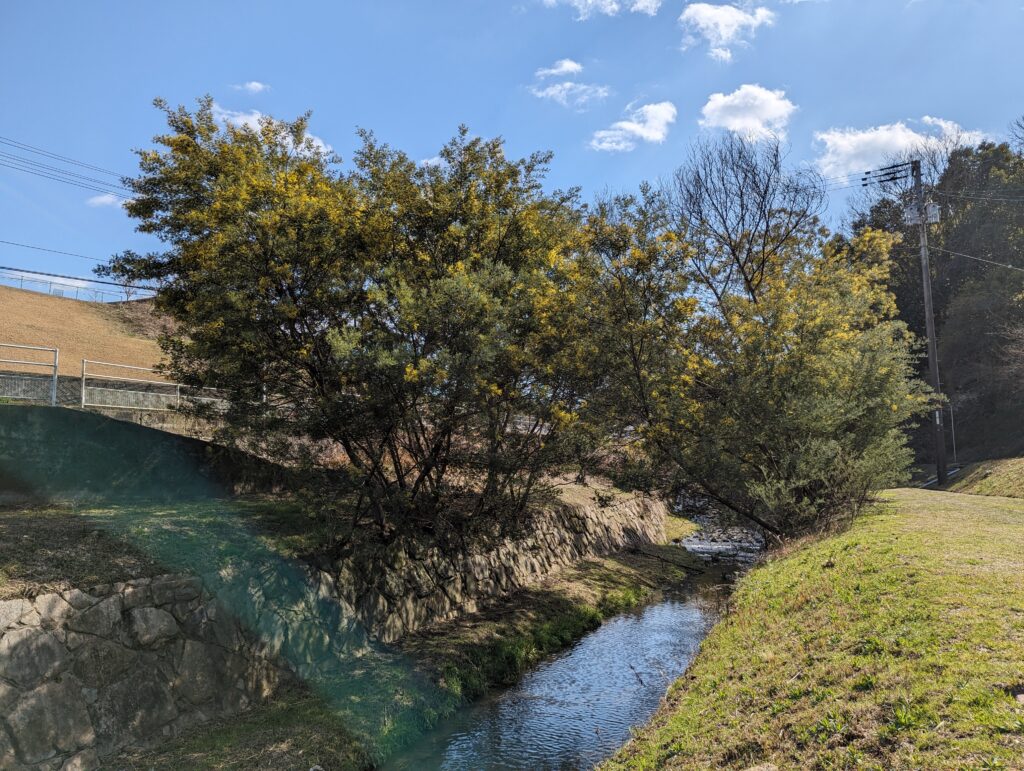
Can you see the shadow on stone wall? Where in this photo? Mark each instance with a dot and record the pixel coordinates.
(84, 674)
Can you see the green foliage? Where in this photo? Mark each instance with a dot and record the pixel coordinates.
(421, 318)
(502, 662)
(443, 338)
(784, 402)
(977, 304)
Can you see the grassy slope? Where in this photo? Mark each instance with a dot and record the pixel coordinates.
(898, 644)
(1003, 477)
(122, 334)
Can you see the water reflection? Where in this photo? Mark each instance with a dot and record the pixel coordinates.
(577, 708)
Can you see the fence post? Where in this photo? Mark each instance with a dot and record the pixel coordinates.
(53, 385)
(83, 384)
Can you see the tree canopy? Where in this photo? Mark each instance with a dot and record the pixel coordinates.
(977, 298)
(443, 340)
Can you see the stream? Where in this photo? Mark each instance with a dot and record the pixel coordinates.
(577, 708)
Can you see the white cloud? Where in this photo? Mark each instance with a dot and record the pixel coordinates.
(650, 7)
(252, 118)
(750, 110)
(587, 8)
(649, 123)
(722, 26)
(567, 93)
(570, 94)
(105, 199)
(563, 67)
(850, 150)
(252, 86)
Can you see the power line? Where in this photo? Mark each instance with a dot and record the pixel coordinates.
(57, 174)
(53, 251)
(66, 181)
(76, 278)
(979, 259)
(62, 172)
(844, 187)
(979, 197)
(57, 156)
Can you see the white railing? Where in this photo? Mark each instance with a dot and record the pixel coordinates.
(138, 393)
(28, 386)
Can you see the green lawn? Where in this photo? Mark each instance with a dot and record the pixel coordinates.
(898, 644)
(50, 548)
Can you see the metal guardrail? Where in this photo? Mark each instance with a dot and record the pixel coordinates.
(28, 386)
(138, 393)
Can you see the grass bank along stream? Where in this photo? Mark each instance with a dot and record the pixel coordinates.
(896, 645)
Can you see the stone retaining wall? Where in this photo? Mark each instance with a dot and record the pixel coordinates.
(409, 590)
(84, 675)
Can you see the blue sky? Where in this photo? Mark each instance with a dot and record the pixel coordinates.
(618, 89)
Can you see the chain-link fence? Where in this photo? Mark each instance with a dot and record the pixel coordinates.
(119, 386)
(28, 373)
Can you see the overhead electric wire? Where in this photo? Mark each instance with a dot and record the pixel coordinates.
(997, 199)
(57, 174)
(53, 251)
(63, 172)
(66, 181)
(979, 259)
(76, 278)
(845, 187)
(56, 156)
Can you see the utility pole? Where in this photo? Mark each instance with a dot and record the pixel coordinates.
(929, 321)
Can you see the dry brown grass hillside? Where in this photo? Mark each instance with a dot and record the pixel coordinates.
(122, 333)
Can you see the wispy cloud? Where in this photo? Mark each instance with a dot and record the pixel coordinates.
(561, 68)
(722, 27)
(649, 123)
(105, 199)
(751, 110)
(851, 150)
(587, 8)
(568, 94)
(252, 86)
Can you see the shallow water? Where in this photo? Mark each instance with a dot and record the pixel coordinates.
(576, 708)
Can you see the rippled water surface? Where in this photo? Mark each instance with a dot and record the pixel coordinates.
(577, 708)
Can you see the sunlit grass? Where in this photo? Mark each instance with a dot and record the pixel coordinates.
(898, 644)
(677, 528)
(1003, 477)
